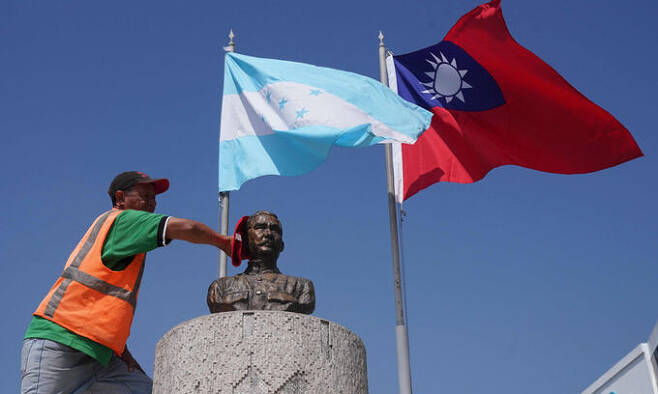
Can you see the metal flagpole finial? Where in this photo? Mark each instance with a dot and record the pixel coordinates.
(231, 45)
(381, 39)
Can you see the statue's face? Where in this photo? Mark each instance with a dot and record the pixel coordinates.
(265, 237)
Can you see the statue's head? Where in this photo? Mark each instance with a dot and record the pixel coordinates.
(264, 237)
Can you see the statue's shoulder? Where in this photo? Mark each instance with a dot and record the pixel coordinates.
(290, 279)
(230, 279)
(304, 282)
(229, 282)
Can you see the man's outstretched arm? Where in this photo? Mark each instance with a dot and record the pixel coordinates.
(198, 233)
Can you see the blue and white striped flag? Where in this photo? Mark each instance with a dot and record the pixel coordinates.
(282, 118)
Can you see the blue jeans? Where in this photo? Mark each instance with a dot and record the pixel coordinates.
(50, 367)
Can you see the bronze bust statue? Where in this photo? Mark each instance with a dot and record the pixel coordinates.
(262, 286)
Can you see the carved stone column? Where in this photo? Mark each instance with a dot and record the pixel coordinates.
(259, 352)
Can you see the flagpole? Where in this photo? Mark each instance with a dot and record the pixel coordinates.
(224, 196)
(401, 337)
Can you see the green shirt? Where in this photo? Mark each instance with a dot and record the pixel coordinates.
(131, 233)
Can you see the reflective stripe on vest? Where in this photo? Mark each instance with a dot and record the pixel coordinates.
(82, 253)
(73, 274)
(99, 285)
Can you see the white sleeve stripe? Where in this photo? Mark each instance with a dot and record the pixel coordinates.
(164, 232)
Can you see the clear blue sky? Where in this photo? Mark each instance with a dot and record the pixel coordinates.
(524, 282)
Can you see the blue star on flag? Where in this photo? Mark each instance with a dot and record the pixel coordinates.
(315, 92)
(268, 96)
(282, 103)
(301, 113)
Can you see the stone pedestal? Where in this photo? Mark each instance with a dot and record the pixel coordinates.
(259, 352)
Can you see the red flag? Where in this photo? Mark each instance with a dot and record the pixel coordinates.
(496, 103)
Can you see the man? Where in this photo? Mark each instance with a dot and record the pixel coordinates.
(262, 286)
(76, 341)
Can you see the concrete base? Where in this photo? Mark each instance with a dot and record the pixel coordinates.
(259, 352)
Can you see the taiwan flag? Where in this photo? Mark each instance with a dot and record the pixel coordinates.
(496, 103)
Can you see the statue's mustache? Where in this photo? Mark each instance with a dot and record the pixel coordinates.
(266, 242)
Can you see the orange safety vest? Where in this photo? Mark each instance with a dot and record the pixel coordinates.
(90, 299)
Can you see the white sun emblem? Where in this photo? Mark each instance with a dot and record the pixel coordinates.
(447, 79)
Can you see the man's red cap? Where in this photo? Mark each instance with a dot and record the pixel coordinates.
(128, 179)
(239, 248)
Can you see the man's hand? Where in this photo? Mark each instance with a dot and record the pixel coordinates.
(130, 361)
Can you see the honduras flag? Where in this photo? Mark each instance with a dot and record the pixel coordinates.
(282, 118)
